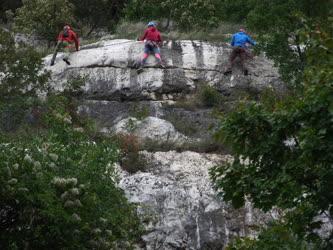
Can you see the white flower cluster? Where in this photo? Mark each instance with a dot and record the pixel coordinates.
(37, 166)
(76, 217)
(63, 182)
(12, 181)
(70, 194)
(79, 129)
(65, 118)
(28, 158)
(54, 157)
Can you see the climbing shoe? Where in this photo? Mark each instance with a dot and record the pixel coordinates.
(66, 61)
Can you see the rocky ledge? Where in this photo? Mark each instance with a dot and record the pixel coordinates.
(110, 74)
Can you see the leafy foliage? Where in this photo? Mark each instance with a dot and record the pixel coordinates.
(58, 189)
(21, 70)
(236, 10)
(277, 24)
(209, 96)
(8, 5)
(97, 14)
(21, 78)
(275, 237)
(44, 18)
(131, 159)
(283, 151)
(187, 14)
(57, 180)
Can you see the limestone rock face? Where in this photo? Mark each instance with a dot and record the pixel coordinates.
(176, 201)
(179, 207)
(110, 74)
(149, 128)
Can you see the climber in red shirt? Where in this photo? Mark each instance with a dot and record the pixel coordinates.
(153, 41)
(65, 39)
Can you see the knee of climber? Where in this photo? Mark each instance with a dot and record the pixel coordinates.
(158, 56)
(145, 56)
(67, 53)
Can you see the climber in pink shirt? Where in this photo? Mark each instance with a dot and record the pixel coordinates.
(153, 41)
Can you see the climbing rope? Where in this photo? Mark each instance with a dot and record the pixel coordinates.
(110, 45)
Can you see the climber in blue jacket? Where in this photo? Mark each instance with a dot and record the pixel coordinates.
(240, 43)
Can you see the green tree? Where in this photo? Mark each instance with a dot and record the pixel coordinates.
(236, 10)
(283, 150)
(21, 73)
(7, 5)
(98, 14)
(21, 78)
(277, 23)
(275, 237)
(57, 181)
(58, 189)
(44, 18)
(187, 14)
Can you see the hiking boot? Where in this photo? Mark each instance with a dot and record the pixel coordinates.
(227, 72)
(246, 72)
(66, 61)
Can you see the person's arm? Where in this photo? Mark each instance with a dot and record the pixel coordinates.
(144, 36)
(233, 40)
(77, 42)
(251, 41)
(160, 42)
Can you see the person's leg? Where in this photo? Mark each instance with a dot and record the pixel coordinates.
(66, 52)
(145, 55)
(144, 58)
(55, 53)
(249, 54)
(157, 53)
(231, 62)
(243, 56)
(158, 56)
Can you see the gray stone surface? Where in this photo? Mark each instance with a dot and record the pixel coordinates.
(179, 207)
(150, 128)
(109, 113)
(176, 201)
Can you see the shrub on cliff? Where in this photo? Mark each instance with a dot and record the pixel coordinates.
(21, 72)
(58, 189)
(21, 79)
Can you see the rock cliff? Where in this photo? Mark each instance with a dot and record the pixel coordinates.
(175, 198)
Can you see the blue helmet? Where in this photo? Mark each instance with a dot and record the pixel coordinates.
(151, 24)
